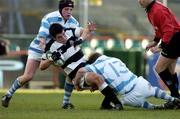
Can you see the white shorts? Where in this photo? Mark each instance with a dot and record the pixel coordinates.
(138, 95)
(35, 52)
(34, 55)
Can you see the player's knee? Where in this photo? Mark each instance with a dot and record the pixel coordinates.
(161, 66)
(68, 80)
(164, 74)
(157, 69)
(42, 68)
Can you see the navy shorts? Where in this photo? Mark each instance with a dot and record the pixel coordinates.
(172, 50)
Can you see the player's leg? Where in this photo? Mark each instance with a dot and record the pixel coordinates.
(107, 91)
(171, 103)
(157, 93)
(142, 90)
(110, 96)
(163, 69)
(149, 91)
(106, 103)
(172, 52)
(68, 89)
(171, 82)
(55, 76)
(174, 78)
(176, 82)
(30, 69)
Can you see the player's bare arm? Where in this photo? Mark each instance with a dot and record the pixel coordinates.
(77, 80)
(85, 33)
(44, 64)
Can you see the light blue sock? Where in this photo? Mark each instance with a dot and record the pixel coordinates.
(68, 88)
(16, 85)
(162, 95)
(148, 105)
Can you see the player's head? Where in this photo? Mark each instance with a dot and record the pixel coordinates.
(55, 29)
(57, 32)
(65, 8)
(93, 57)
(145, 3)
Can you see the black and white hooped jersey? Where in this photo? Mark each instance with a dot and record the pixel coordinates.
(72, 56)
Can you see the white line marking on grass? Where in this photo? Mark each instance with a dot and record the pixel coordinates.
(47, 91)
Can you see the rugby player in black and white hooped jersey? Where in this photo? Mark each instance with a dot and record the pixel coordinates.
(66, 53)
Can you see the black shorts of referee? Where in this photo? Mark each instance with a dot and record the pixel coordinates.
(172, 50)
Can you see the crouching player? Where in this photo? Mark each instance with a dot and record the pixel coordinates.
(104, 71)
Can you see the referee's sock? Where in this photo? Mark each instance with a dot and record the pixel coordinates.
(167, 78)
(176, 83)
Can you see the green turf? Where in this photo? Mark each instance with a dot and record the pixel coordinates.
(47, 106)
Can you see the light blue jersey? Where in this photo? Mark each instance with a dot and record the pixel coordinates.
(115, 73)
(54, 17)
(135, 90)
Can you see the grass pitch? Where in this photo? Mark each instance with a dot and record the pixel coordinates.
(45, 104)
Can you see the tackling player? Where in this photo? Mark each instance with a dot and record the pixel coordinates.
(104, 71)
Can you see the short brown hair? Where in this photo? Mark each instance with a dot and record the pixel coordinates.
(93, 57)
(55, 29)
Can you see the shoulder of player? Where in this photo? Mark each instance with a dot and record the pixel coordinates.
(73, 20)
(159, 7)
(52, 14)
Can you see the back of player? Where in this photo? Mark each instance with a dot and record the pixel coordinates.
(115, 73)
(135, 89)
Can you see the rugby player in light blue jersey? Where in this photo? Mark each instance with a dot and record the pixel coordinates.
(62, 16)
(104, 71)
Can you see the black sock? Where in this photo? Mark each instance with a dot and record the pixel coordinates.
(167, 78)
(176, 83)
(108, 92)
(106, 103)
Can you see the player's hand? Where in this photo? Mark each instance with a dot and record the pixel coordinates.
(78, 88)
(93, 88)
(78, 42)
(55, 56)
(47, 55)
(155, 49)
(86, 34)
(91, 26)
(150, 45)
